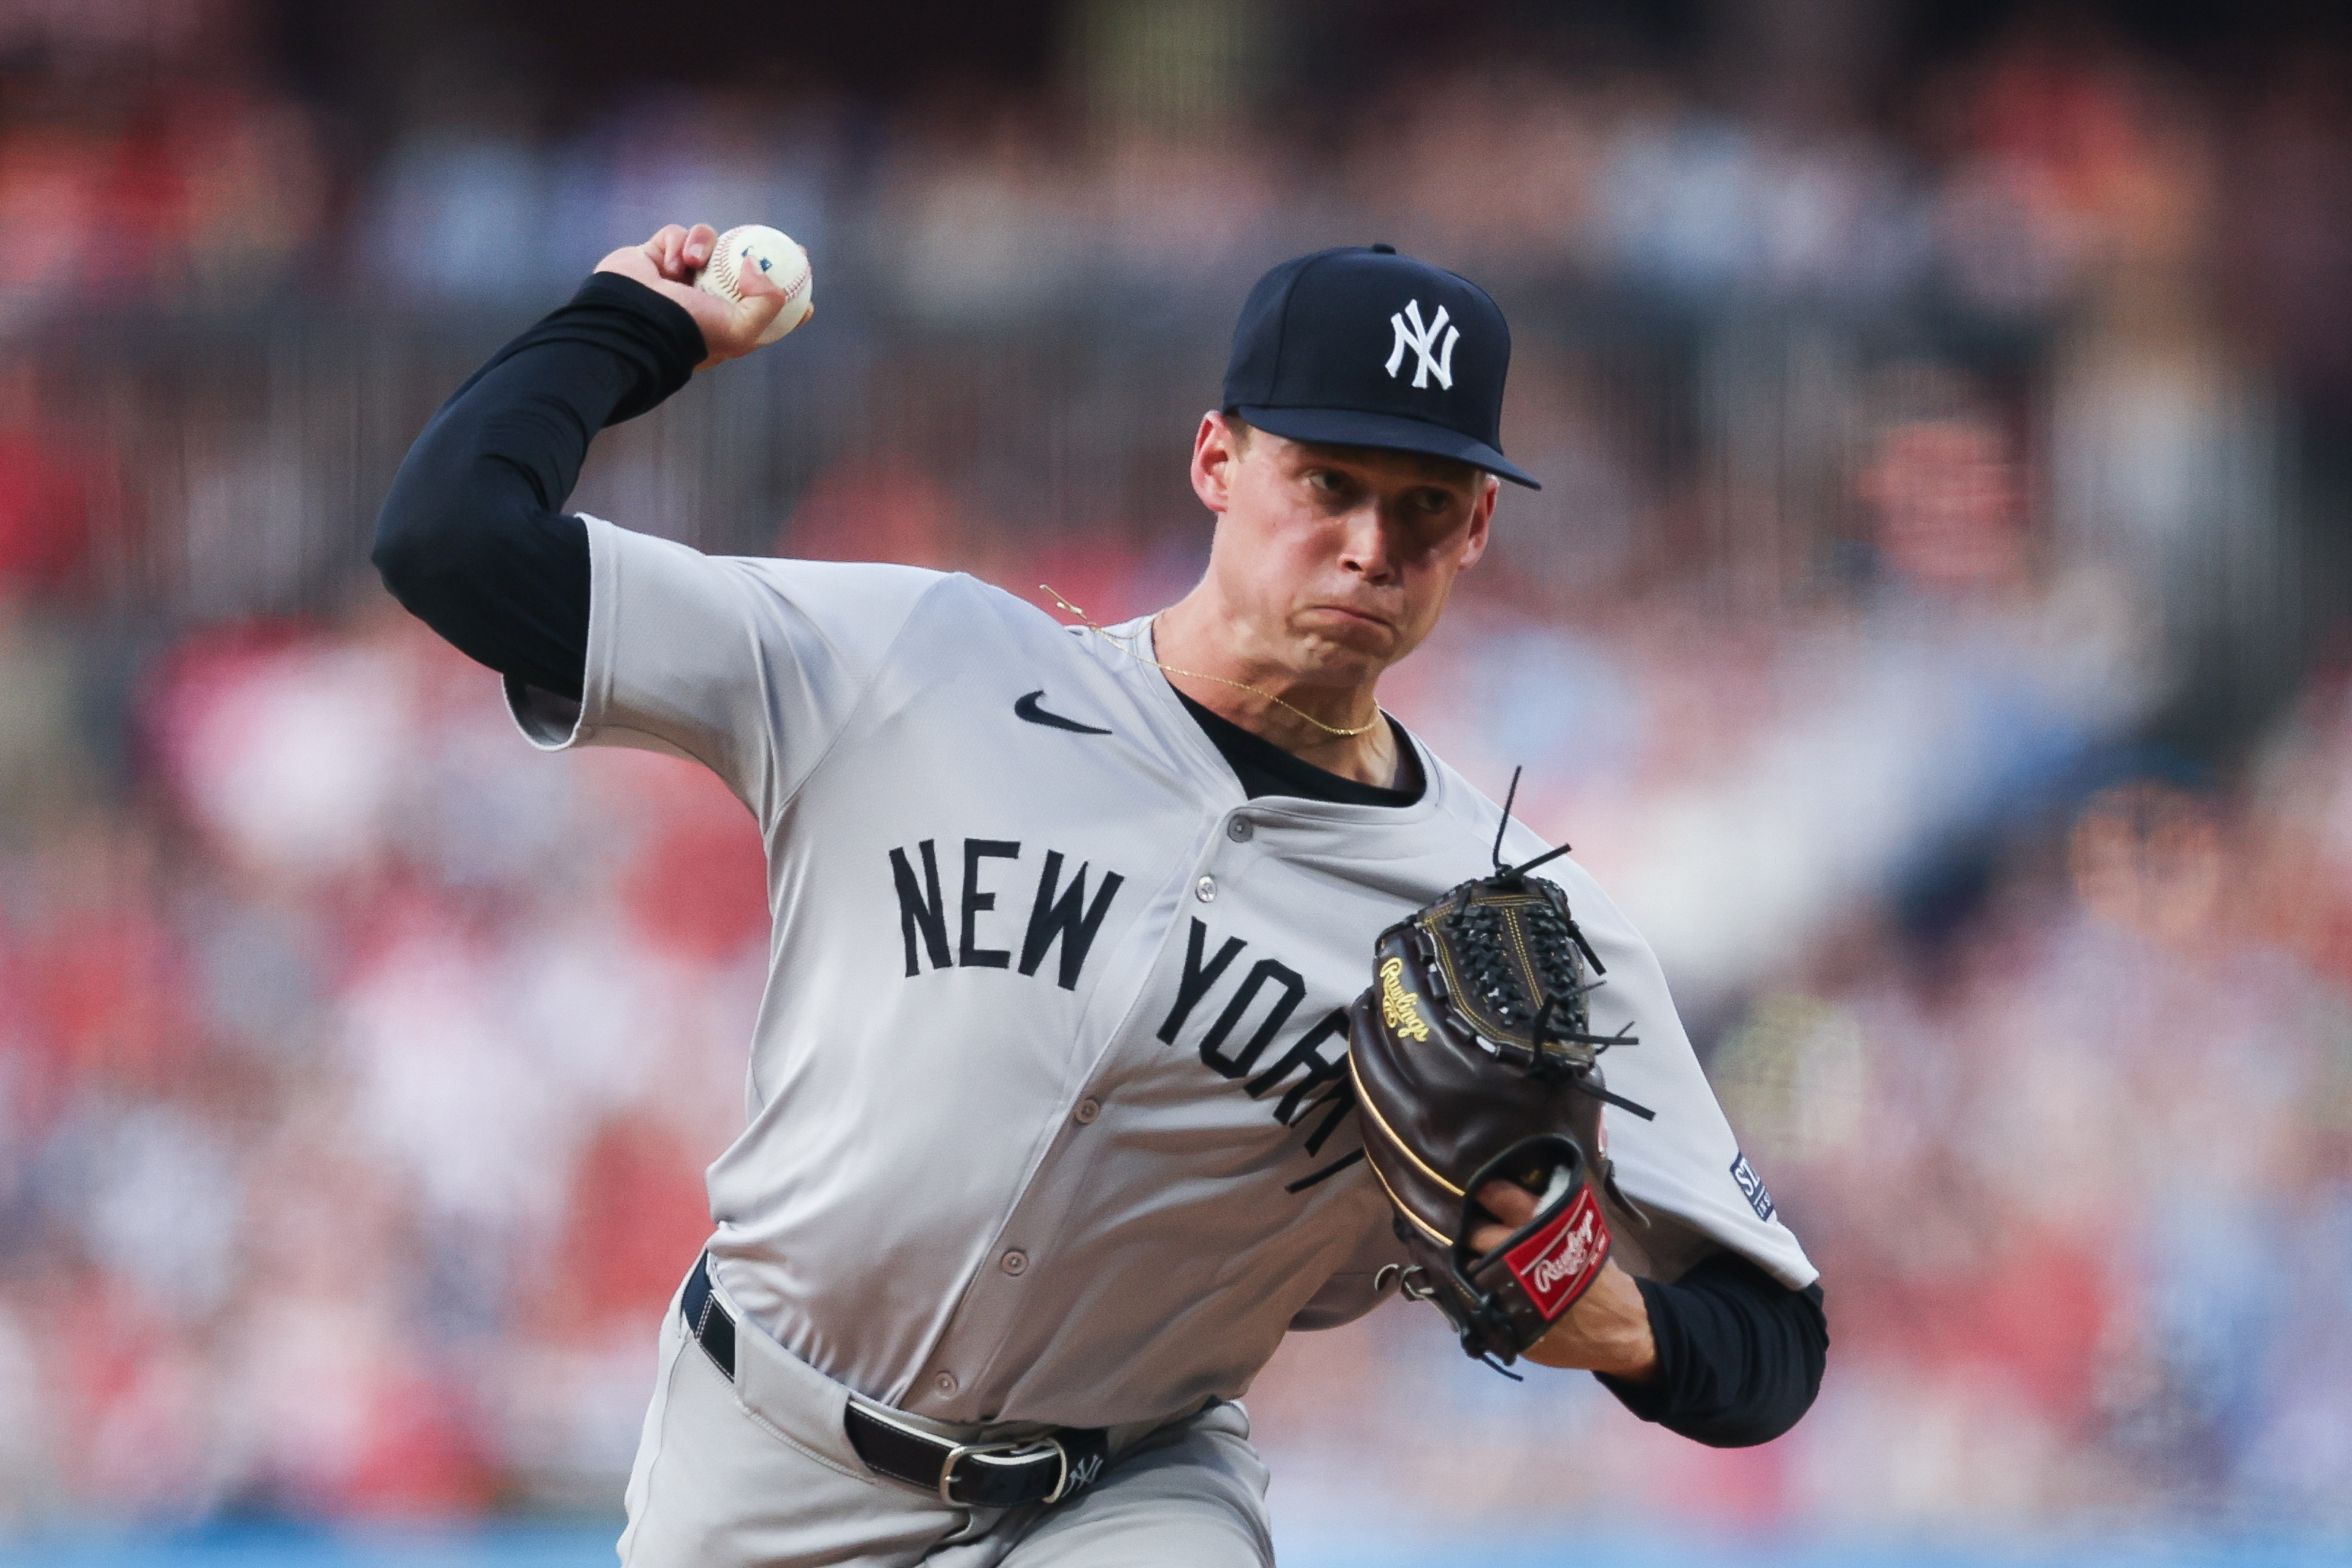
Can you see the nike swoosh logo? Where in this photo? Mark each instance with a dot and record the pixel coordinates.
(1027, 708)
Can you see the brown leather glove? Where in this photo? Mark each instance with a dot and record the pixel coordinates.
(1473, 1059)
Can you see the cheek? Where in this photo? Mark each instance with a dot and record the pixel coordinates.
(1252, 564)
(1276, 552)
(1427, 587)
(1432, 561)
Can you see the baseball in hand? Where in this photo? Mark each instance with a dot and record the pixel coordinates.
(769, 251)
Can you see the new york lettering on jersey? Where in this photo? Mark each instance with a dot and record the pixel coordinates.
(1232, 1037)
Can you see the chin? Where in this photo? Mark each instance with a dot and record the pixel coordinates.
(1343, 661)
(1383, 644)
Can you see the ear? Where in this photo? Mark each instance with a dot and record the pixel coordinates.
(1482, 519)
(1214, 452)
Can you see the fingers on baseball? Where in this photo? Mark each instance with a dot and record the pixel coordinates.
(761, 303)
(674, 250)
(659, 249)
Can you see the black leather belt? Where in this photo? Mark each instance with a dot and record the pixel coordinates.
(1046, 1469)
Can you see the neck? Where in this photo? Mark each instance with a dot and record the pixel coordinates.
(1192, 644)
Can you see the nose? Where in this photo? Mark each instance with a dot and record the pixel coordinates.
(1365, 546)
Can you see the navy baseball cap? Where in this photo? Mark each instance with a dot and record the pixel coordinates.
(1362, 347)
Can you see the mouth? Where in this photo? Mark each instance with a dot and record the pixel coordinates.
(1359, 617)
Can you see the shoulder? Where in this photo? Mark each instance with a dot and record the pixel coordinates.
(948, 595)
(868, 579)
(829, 591)
(635, 548)
(850, 588)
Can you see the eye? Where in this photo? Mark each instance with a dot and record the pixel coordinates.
(1435, 502)
(1325, 480)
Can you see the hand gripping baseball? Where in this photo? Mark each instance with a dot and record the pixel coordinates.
(1474, 1066)
(667, 263)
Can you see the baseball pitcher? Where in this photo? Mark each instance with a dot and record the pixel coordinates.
(1103, 958)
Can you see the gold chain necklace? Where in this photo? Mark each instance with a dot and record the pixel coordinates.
(1194, 674)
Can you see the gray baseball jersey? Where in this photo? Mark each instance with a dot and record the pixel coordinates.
(1049, 1118)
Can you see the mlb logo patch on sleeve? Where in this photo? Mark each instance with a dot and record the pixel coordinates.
(1751, 1186)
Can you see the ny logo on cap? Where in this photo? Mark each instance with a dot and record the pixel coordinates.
(1419, 340)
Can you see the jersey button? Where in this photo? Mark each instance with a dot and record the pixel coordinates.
(1016, 1262)
(1088, 1109)
(1240, 829)
(1205, 890)
(944, 1382)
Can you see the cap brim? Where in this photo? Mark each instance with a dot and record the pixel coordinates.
(1348, 428)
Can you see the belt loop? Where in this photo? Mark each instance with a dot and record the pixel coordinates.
(1062, 1482)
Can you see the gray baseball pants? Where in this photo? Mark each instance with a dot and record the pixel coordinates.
(758, 1473)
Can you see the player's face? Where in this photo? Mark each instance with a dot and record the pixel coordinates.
(1335, 562)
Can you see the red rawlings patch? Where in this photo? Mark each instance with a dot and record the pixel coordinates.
(1555, 1264)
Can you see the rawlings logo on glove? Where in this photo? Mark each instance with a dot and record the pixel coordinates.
(1401, 1009)
(1556, 1264)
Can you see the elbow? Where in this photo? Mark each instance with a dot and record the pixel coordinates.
(1770, 1410)
(432, 522)
(428, 516)
(413, 553)
(409, 530)
(1747, 1433)
(396, 559)
(1755, 1417)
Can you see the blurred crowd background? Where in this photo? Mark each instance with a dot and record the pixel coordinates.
(1932, 629)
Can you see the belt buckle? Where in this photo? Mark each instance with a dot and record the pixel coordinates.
(964, 1450)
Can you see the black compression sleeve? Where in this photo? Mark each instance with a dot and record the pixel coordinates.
(472, 539)
(1739, 1354)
